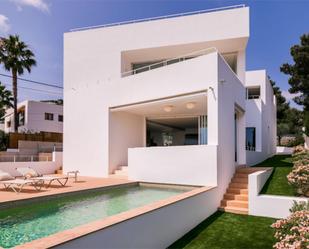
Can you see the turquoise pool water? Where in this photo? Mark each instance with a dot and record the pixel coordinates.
(33, 221)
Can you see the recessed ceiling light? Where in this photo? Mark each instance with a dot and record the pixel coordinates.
(168, 108)
(190, 105)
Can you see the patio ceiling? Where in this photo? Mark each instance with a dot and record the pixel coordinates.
(189, 105)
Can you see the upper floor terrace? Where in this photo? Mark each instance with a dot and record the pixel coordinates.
(110, 51)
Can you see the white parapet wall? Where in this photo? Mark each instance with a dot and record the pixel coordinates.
(156, 229)
(42, 167)
(190, 164)
(274, 206)
(281, 150)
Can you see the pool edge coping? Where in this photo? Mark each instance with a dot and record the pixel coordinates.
(94, 226)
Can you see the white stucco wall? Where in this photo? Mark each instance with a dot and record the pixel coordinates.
(100, 84)
(261, 114)
(274, 206)
(230, 96)
(163, 82)
(126, 131)
(191, 164)
(156, 229)
(42, 167)
(285, 150)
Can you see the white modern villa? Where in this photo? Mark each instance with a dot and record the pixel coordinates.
(163, 122)
(167, 100)
(35, 116)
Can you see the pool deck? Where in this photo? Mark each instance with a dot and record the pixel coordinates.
(83, 183)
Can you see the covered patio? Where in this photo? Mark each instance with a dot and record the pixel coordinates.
(159, 140)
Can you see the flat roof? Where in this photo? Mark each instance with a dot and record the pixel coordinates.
(160, 17)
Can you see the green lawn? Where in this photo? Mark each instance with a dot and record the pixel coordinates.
(277, 183)
(229, 231)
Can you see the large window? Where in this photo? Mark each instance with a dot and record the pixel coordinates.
(173, 131)
(250, 138)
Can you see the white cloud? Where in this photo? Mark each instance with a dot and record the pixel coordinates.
(38, 4)
(4, 24)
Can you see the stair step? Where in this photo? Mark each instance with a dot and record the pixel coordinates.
(124, 168)
(234, 210)
(59, 171)
(234, 203)
(239, 180)
(239, 197)
(118, 176)
(121, 172)
(239, 185)
(241, 175)
(237, 191)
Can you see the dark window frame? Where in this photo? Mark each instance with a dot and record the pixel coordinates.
(49, 116)
(253, 96)
(60, 118)
(251, 147)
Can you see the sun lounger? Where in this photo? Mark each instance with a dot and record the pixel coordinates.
(62, 180)
(18, 184)
(29, 173)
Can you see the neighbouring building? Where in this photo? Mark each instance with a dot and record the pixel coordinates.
(168, 98)
(35, 116)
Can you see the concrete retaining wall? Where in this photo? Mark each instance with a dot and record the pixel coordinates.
(274, 206)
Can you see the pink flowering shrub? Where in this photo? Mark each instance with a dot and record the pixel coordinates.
(299, 176)
(293, 232)
(299, 179)
(299, 149)
(301, 162)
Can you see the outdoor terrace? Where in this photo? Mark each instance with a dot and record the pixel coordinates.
(83, 183)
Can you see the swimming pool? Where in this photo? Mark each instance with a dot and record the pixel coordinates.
(37, 220)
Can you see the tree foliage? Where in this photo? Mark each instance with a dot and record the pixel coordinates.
(6, 100)
(16, 57)
(282, 105)
(299, 76)
(289, 120)
(299, 71)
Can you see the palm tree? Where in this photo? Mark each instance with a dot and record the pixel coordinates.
(6, 100)
(16, 57)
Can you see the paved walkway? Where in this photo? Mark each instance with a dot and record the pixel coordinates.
(71, 186)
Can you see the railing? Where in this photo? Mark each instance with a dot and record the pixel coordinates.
(160, 17)
(253, 96)
(49, 149)
(167, 62)
(250, 148)
(25, 158)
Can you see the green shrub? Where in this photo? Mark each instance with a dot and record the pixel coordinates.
(299, 140)
(299, 206)
(4, 140)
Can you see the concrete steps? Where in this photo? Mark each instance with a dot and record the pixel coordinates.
(234, 210)
(235, 199)
(239, 197)
(59, 171)
(234, 203)
(120, 173)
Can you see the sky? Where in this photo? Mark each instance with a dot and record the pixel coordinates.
(275, 26)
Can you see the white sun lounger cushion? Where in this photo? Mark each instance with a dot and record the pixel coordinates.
(4, 176)
(28, 172)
